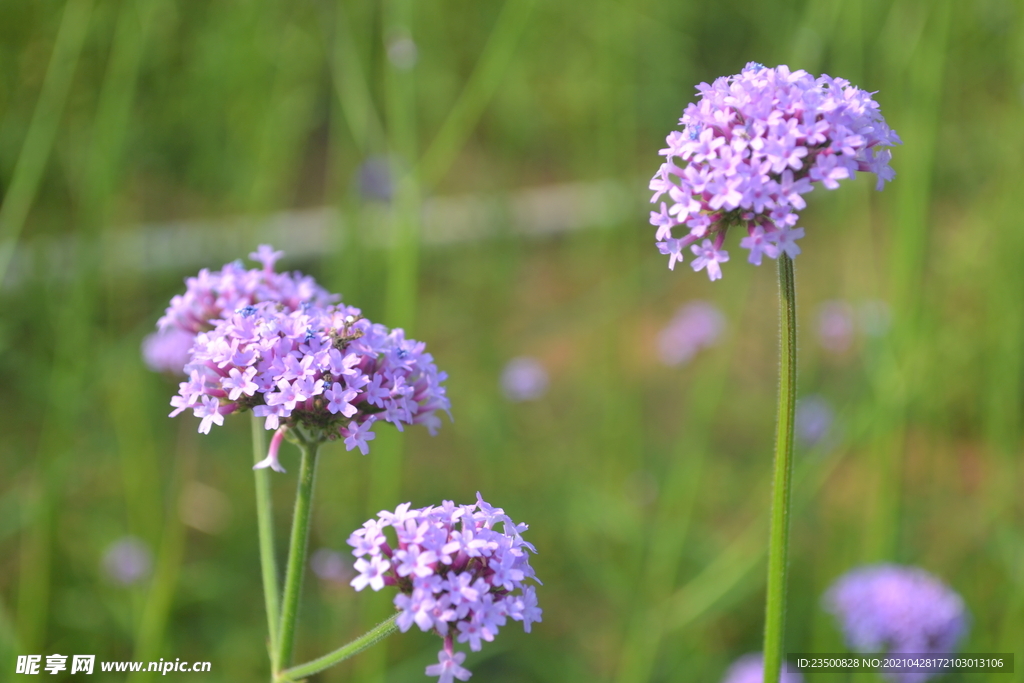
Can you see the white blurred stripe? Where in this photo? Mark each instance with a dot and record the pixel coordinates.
(190, 245)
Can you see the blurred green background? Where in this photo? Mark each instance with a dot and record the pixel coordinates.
(141, 140)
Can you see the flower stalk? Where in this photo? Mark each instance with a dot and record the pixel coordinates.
(778, 542)
(265, 524)
(371, 637)
(296, 554)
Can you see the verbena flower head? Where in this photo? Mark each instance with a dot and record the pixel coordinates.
(457, 574)
(750, 669)
(750, 148)
(895, 609)
(325, 372)
(210, 296)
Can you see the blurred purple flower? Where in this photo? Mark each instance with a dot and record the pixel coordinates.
(888, 608)
(750, 669)
(330, 565)
(524, 379)
(374, 179)
(750, 149)
(128, 561)
(836, 326)
(814, 418)
(167, 350)
(695, 326)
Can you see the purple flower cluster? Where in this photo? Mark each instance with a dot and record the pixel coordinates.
(895, 609)
(750, 148)
(323, 371)
(456, 573)
(750, 669)
(209, 296)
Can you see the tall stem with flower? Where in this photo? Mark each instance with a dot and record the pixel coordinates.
(749, 149)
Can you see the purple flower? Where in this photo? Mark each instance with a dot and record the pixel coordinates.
(750, 147)
(212, 296)
(330, 565)
(448, 665)
(814, 418)
(894, 609)
(128, 561)
(750, 669)
(310, 369)
(709, 257)
(457, 575)
(695, 326)
(836, 326)
(524, 379)
(371, 573)
(374, 180)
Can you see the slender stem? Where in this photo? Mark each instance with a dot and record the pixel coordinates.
(375, 635)
(265, 523)
(296, 555)
(778, 543)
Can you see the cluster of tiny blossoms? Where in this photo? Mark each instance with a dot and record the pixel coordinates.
(895, 609)
(750, 148)
(210, 295)
(325, 371)
(456, 573)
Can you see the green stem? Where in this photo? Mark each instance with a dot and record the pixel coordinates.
(375, 635)
(296, 555)
(265, 524)
(778, 542)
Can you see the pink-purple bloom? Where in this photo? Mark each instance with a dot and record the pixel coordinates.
(323, 370)
(836, 329)
(750, 148)
(330, 566)
(524, 379)
(750, 669)
(457, 574)
(128, 561)
(888, 608)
